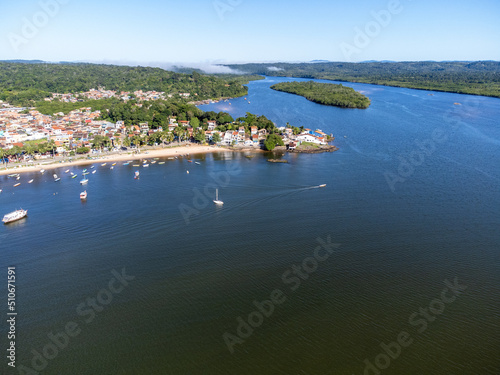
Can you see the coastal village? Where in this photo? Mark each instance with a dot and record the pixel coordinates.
(79, 127)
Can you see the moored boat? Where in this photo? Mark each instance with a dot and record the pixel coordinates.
(136, 175)
(216, 200)
(84, 181)
(83, 195)
(14, 216)
(30, 181)
(16, 185)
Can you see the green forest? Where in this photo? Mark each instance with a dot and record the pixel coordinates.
(325, 93)
(23, 84)
(475, 78)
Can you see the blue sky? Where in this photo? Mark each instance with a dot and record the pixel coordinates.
(151, 32)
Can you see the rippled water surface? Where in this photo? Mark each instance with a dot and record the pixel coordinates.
(412, 199)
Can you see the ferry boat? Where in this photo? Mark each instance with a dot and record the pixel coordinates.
(14, 216)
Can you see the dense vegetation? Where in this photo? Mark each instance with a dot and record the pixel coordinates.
(476, 78)
(325, 93)
(21, 84)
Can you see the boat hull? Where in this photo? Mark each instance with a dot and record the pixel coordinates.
(14, 216)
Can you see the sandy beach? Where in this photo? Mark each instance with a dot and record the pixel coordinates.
(46, 164)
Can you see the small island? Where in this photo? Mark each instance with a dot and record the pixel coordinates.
(325, 93)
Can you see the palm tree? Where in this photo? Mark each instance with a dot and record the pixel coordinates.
(169, 137)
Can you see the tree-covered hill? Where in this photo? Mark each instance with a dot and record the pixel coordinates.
(476, 78)
(21, 83)
(325, 93)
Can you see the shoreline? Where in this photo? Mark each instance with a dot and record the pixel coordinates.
(146, 154)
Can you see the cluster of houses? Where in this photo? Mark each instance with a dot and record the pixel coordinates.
(79, 127)
(102, 93)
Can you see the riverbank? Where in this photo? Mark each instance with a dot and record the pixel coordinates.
(145, 154)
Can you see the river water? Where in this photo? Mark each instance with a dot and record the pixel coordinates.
(393, 267)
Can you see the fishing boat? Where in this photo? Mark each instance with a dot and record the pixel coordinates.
(136, 175)
(83, 195)
(84, 181)
(14, 216)
(30, 181)
(16, 185)
(217, 201)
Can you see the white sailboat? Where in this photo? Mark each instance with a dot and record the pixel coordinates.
(217, 201)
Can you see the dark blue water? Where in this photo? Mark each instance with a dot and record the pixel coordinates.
(412, 200)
